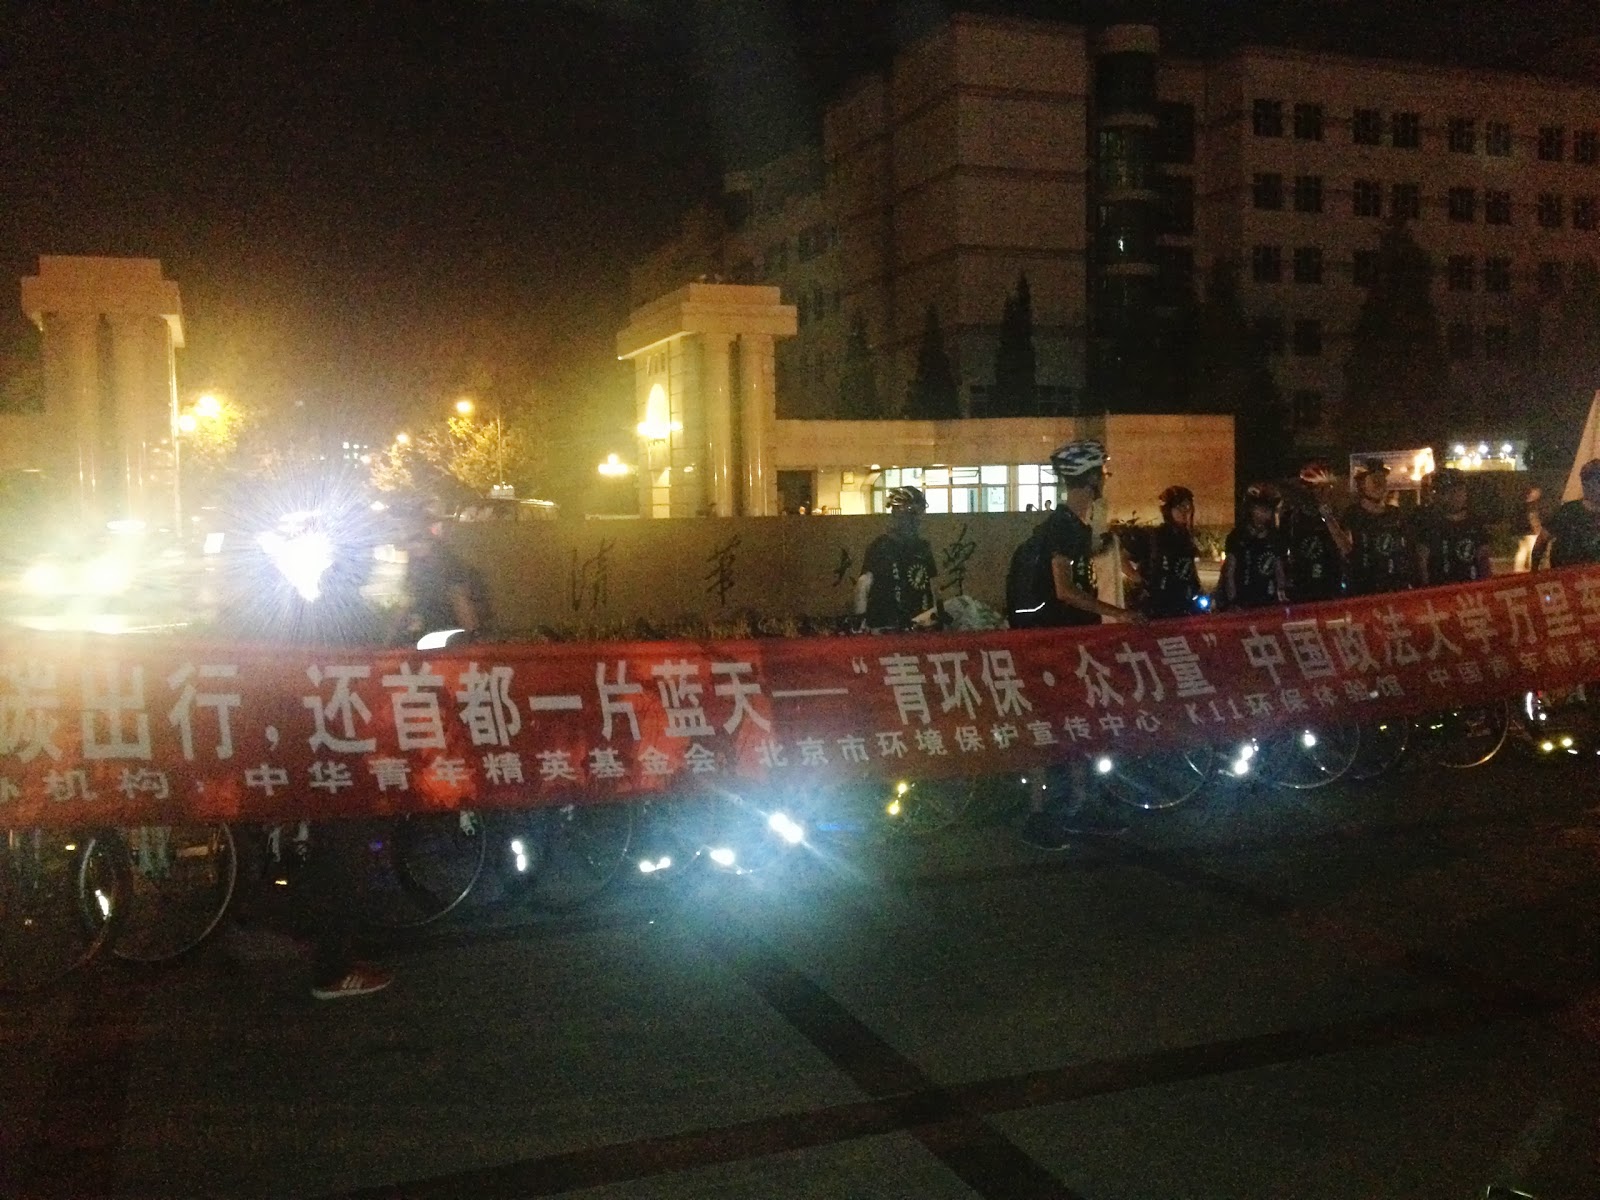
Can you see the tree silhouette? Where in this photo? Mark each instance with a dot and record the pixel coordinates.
(1229, 373)
(933, 395)
(1397, 377)
(1016, 365)
(858, 376)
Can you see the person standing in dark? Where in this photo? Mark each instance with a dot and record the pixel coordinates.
(895, 588)
(1253, 562)
(1315, 539)
(1453, 544)
(1383, 548)
(1171, 580)
(1574, 529)
(1532, 536)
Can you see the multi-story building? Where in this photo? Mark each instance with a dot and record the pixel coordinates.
(1114, 176)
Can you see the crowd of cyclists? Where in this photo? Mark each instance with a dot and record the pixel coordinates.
(1295, 542)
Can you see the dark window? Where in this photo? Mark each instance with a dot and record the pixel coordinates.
(1266, 264)
(1549, 210)
(1497, 341)
(1270, 331)
(1405, 201)
(1497, 139)
(1583, 212)
(1497, 208)
(1549, 277)
(1308, 264)
(1125, 82)
(1307, 409)
(1125, 159)
(1459, 272)
(1552, 143)
(1497, 274)
(1586, 147)
(1308, 193)
(1307, 337)
(1267, 119)
(1175, 274)
(1364, 268)
(1463, 204)
(1366, 198)
(1177, 203)
(1175, 133)
(1458, 340)
(1308, 122)
(1463, 135)
(1366, 127)
(1268, 190)
(1405, 130)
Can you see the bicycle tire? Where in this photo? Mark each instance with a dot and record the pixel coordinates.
(1159, 781)
(583, 850)
(179, 896)
(1486, 727)
(46, 932)
(1305, 759)
(1383, 746)
(422, 867)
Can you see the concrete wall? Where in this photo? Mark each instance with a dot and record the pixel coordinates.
(610, 572)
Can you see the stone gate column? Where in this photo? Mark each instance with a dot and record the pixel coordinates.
(717, 382)
(758, 410)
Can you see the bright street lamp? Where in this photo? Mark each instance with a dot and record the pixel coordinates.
(208, 406)
(402, 438)
(614, 466)
(464, 407)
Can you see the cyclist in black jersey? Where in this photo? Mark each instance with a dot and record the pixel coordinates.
(1574, 529)
(1171, 581)
(1316, 540)
(1253, 566)
(895, 588)
(1453, 543)
(1383, 547)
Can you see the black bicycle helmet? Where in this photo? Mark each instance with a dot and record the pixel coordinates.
(1174, 496)
(1261, 495)
(906, 499)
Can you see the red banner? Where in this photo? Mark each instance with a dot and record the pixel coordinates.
(144, 731)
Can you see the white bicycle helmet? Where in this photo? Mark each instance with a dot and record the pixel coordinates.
(1078, 458)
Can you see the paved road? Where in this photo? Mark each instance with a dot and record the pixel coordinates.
(1389, 992)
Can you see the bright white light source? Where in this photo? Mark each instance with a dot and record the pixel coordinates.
(438, 639)
(44, 579)
(1308, 739)
(1241, 767)
(301, 558)
(901, 788)
(647, 866)
(1566, 743)
(213, 543)
(785, 827)
(104, 901)
(1547, 746)
(1103, 765)
(723, 856)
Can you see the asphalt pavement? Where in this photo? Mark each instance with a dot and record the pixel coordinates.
(1382, 990)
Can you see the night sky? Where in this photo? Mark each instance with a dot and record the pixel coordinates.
(372, 205)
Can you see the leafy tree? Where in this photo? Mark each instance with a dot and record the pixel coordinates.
(1229, 373)
(477, 455)
(1397, 376)
(1016, 365)
(858, 376)
(933, 395)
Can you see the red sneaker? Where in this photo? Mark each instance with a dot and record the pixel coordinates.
(360, 980)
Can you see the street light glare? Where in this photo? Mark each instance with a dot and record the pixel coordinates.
(187, 422)
(464, 407)
(402, 438)
(208, 406)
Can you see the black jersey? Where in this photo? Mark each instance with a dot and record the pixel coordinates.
(1454, 548)
(1171, 580)
(1575, 535)
(1383, 553)
(902, 573)
(1315, 568)
(1254, 560)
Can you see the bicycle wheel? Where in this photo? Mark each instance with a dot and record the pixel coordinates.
(1309, 758)
(1383, 745)
(582, 851)
(422, 867)
(63, 897)
(921, 807)
(183, 879)
(1467, 737)
(1158, 781)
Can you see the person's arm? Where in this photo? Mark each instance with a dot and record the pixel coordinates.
(1485, 566)
(863, 590)
(1343, 540)
(1422, 562)
(1068, 593)
(1281, 577)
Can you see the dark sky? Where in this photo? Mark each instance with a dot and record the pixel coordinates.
(368, 204)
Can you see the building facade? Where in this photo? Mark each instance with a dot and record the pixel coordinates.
(1114, 176)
